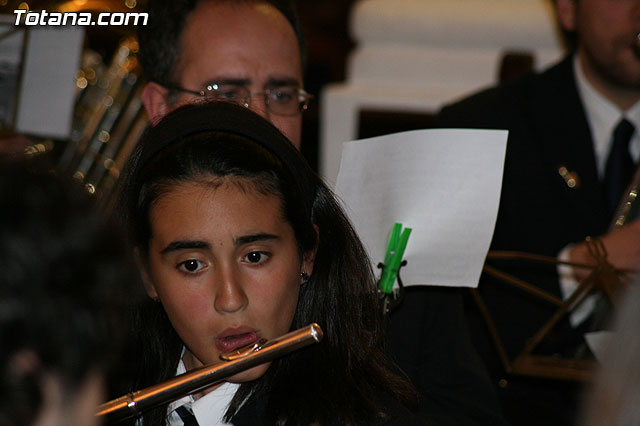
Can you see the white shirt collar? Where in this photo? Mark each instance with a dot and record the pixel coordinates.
(209, 409)
(603, 116)
(184, 400)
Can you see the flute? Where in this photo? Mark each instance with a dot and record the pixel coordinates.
(133, 404)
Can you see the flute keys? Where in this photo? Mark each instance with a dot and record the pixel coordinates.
(244, 351)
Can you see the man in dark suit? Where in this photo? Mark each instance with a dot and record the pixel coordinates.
(558, 188)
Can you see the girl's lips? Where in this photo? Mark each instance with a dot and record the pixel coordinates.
(232, 339)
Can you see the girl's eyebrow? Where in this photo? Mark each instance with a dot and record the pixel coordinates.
(246, 239)
(187, 244)
(196, 244)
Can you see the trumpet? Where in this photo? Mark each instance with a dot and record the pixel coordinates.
(133, 404)
(628, 207)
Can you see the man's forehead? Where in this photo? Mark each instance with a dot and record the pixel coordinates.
(218, 23)
(221, 10)
(248, 80)
(224, 42)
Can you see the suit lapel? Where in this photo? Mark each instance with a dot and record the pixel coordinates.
(567, 142)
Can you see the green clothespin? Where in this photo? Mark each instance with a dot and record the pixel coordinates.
(392, 260)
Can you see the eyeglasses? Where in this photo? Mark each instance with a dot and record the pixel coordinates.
(280, 100)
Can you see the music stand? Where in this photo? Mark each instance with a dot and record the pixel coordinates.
(603, 278)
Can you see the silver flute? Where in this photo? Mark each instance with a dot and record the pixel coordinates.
(133, 404)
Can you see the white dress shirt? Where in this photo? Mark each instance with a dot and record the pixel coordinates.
(209, 409)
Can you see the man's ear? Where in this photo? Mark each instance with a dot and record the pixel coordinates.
(566, 11)
(149, 286)
(155, 99)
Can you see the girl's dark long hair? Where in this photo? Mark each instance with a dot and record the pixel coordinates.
(341, 380)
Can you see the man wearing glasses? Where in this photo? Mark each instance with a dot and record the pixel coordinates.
(249, 52)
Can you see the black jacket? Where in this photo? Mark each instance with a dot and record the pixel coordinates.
(252, 414)
(539, 213)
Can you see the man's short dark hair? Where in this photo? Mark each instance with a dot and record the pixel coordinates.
(160, 39)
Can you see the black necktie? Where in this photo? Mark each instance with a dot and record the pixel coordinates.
(186, 416)
(619, 168)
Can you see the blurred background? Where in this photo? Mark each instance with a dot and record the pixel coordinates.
(374, 67)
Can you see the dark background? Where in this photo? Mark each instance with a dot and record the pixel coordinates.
(325, 27)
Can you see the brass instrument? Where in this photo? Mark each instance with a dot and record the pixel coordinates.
(628, 207)
(135, 403)
(108, 121)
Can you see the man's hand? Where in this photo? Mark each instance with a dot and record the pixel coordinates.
(622, 246)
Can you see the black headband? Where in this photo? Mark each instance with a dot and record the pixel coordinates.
(230, 118)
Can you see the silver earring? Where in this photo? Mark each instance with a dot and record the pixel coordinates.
(304, 277)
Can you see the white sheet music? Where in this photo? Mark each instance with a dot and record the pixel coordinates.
(48, 82)
(443, 183)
